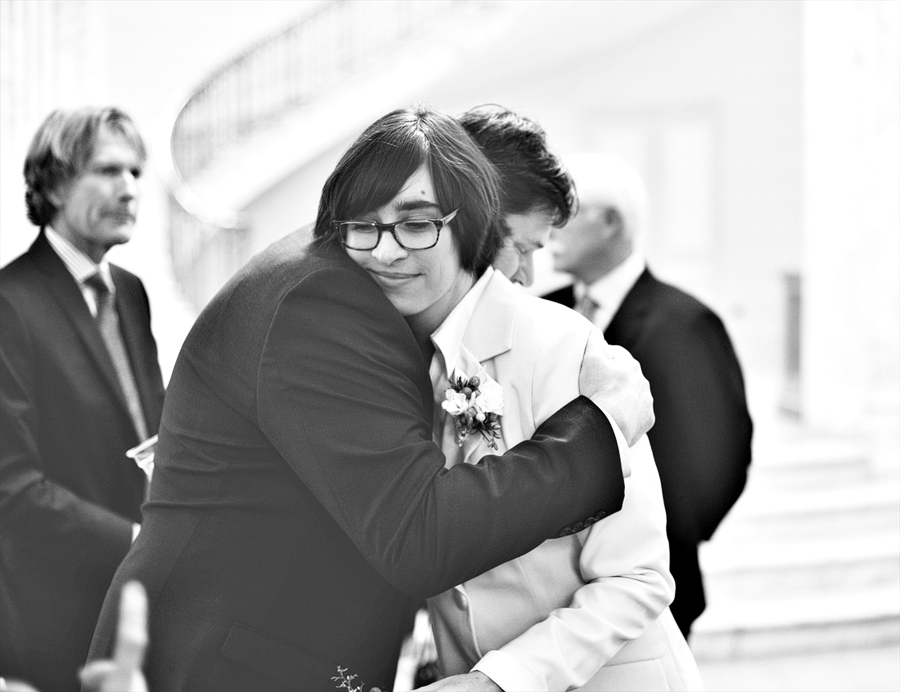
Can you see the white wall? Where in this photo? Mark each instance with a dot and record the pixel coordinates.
(851, 215)
(725, 75)
(51, 56)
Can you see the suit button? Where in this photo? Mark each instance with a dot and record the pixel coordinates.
(579, 526)
(589, 521)
(600, 515)
(566, 531)
(462, 601)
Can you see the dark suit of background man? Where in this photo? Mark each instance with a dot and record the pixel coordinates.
(701, 439)
(75, 394)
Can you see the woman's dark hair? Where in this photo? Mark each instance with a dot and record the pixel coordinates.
(381, 160)
(60, 150)
(531, 176)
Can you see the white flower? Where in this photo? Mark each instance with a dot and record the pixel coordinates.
(489, 398)
(476, 408)
(454, 402)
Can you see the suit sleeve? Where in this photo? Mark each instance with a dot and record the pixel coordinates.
(624, 563)
(703, 429)
(337, 398)
(57, 522)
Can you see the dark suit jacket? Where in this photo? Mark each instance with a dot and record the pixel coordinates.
(701, 439)
(68, 494)
(299, 508)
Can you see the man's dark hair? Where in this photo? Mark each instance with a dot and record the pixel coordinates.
(531, 176)
(381, 160)
(61, 148)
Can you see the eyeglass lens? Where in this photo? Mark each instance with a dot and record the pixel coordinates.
(412, 235)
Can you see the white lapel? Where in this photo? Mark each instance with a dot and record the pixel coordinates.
(478, 329)
(488, 335)
(490, 329)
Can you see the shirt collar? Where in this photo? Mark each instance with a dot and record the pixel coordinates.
(80, 266)
(610, 290)
(448, 338)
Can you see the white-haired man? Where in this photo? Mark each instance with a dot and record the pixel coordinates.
(701, 439)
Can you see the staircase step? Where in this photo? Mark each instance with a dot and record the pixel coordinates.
(770, 515)
(809, 464)
(754, 571)
(808, 559)
(861, 618)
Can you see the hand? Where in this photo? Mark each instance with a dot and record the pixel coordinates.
(469, 682)
(123, 673)
(612, 379)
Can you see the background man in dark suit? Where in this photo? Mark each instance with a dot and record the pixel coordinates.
(299, 508)
(701, 439)
(79, 385)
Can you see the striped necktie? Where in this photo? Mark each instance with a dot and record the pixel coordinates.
(108, 322)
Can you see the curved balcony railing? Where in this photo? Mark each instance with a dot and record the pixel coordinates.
(254, 90)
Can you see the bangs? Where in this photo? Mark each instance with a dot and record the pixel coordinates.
(386, 167)
(376, 167)
(75, 141)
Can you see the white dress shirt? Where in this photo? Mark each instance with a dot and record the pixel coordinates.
(81, 267)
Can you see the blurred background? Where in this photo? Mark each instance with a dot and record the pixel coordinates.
(768, 133)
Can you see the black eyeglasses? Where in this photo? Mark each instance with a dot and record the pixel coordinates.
(410, 234)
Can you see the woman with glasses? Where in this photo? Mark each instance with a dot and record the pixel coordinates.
(299, 509)
(587, 610)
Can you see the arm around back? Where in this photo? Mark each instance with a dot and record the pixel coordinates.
(341, 398)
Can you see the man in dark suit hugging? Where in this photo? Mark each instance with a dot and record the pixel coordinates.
(701, 439)
(79, 385)
(299, 508)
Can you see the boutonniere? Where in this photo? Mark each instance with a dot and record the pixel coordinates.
(476, 404)
(348, 682)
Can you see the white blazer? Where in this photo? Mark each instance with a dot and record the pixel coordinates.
(587, 611)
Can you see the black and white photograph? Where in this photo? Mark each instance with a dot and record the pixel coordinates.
(449, 345)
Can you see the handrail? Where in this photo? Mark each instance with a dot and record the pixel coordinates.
(256, 88)
(291, 67)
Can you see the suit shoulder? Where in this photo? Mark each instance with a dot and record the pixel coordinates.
(18, 278)
(563, 296)
(339, 284)
(547, 349)
(21, 266)
(678, 304)
(124, 274)
(552, 321)
(330, 276)
(127, 281)
(287, 262)
(678, 328)
(284, 281)
(263, 282)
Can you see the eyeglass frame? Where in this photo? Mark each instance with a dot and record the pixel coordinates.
(383, 228)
